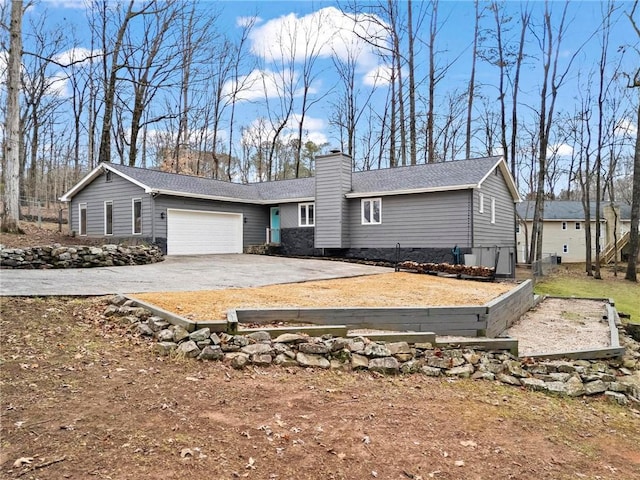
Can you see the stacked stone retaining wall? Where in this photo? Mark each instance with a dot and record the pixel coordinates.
(57, 256)
(617, 379)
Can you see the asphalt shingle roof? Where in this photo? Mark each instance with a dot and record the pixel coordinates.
(425, 176)
(432, 175)
(566, 210)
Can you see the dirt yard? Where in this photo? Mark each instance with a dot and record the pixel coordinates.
(83, 398)
(399, 289)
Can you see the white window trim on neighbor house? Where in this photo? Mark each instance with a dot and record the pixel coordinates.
(133, 216)
(564, 225)
(306, 214)
(481, 203)
(369, 203)
(565, 248)
(108, 217)
(82, 226)
(578, 226)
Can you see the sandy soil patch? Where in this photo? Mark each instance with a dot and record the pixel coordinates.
(562, 325)
(398, 289)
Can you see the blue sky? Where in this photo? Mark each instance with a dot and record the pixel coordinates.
(454, 42)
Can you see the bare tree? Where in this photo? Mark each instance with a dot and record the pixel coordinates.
(472, 78)
(634, 237)
(11, 214)
(112, 52)
(552, 80)
(150, 65)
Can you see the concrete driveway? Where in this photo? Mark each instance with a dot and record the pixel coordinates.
(198, 272)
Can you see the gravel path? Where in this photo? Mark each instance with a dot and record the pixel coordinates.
(562, 325)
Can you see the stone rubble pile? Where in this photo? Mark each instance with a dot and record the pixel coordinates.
(57, 256)
(617, 379)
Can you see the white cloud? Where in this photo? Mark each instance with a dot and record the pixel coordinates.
(243, 22)
(75, 4)
(326, 32)
(79, 54)
(380, 75)
(261, 130)
(626, 127)
(258, 85)
(560, 150)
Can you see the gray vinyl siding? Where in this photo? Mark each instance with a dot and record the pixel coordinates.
(289, 215)
(120, 192)
(428, 220)
(333, 180)
(256, 216)
(502, 232)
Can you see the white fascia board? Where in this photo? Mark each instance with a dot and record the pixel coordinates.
(511, 184)
(88, 178)
(92, 175)
(409, 191)
(174, 193)
(126, 177)
(219, 198)
(288, 200)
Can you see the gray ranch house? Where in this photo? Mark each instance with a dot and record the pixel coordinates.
(417, 213)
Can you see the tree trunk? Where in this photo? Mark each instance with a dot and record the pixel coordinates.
(412, 89)
(104, 154)
(472, 81)
(634, 241)
(11, 217)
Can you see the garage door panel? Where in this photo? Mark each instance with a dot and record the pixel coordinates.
(191, 232)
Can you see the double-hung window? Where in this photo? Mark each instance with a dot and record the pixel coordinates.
(136, 211)
(481, 203)
(82, 219)
(306, 214)
(108, 217)
(371, 211)
(493, 210)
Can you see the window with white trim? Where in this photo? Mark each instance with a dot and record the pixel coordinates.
(371, 211)
(108, 217)
(564, 225)
(565, 248)
(517, 228)
(306, 214)
(493, 210)
(136, 213)
(82, 218)
(578, 226)
(481, 203)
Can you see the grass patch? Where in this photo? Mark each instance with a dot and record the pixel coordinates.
(573, 282)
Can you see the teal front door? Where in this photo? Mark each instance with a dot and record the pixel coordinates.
(275, 225)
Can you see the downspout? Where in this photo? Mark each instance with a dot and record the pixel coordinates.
(152, 195)
(471, 223)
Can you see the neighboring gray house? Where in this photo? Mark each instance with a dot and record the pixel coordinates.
(420, 212)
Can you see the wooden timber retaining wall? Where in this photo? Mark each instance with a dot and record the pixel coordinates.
(488, 320)
(503, 311)
(463, 321)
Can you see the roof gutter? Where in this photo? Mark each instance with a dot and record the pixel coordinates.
(219, 198)
(446, 188)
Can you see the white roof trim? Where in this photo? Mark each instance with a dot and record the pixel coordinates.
(95, 173)
(511, 184)
(446, 188)
(227, 199)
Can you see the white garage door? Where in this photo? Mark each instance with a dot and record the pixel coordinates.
(191, 232)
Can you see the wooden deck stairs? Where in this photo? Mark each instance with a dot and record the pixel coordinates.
(610, 250)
